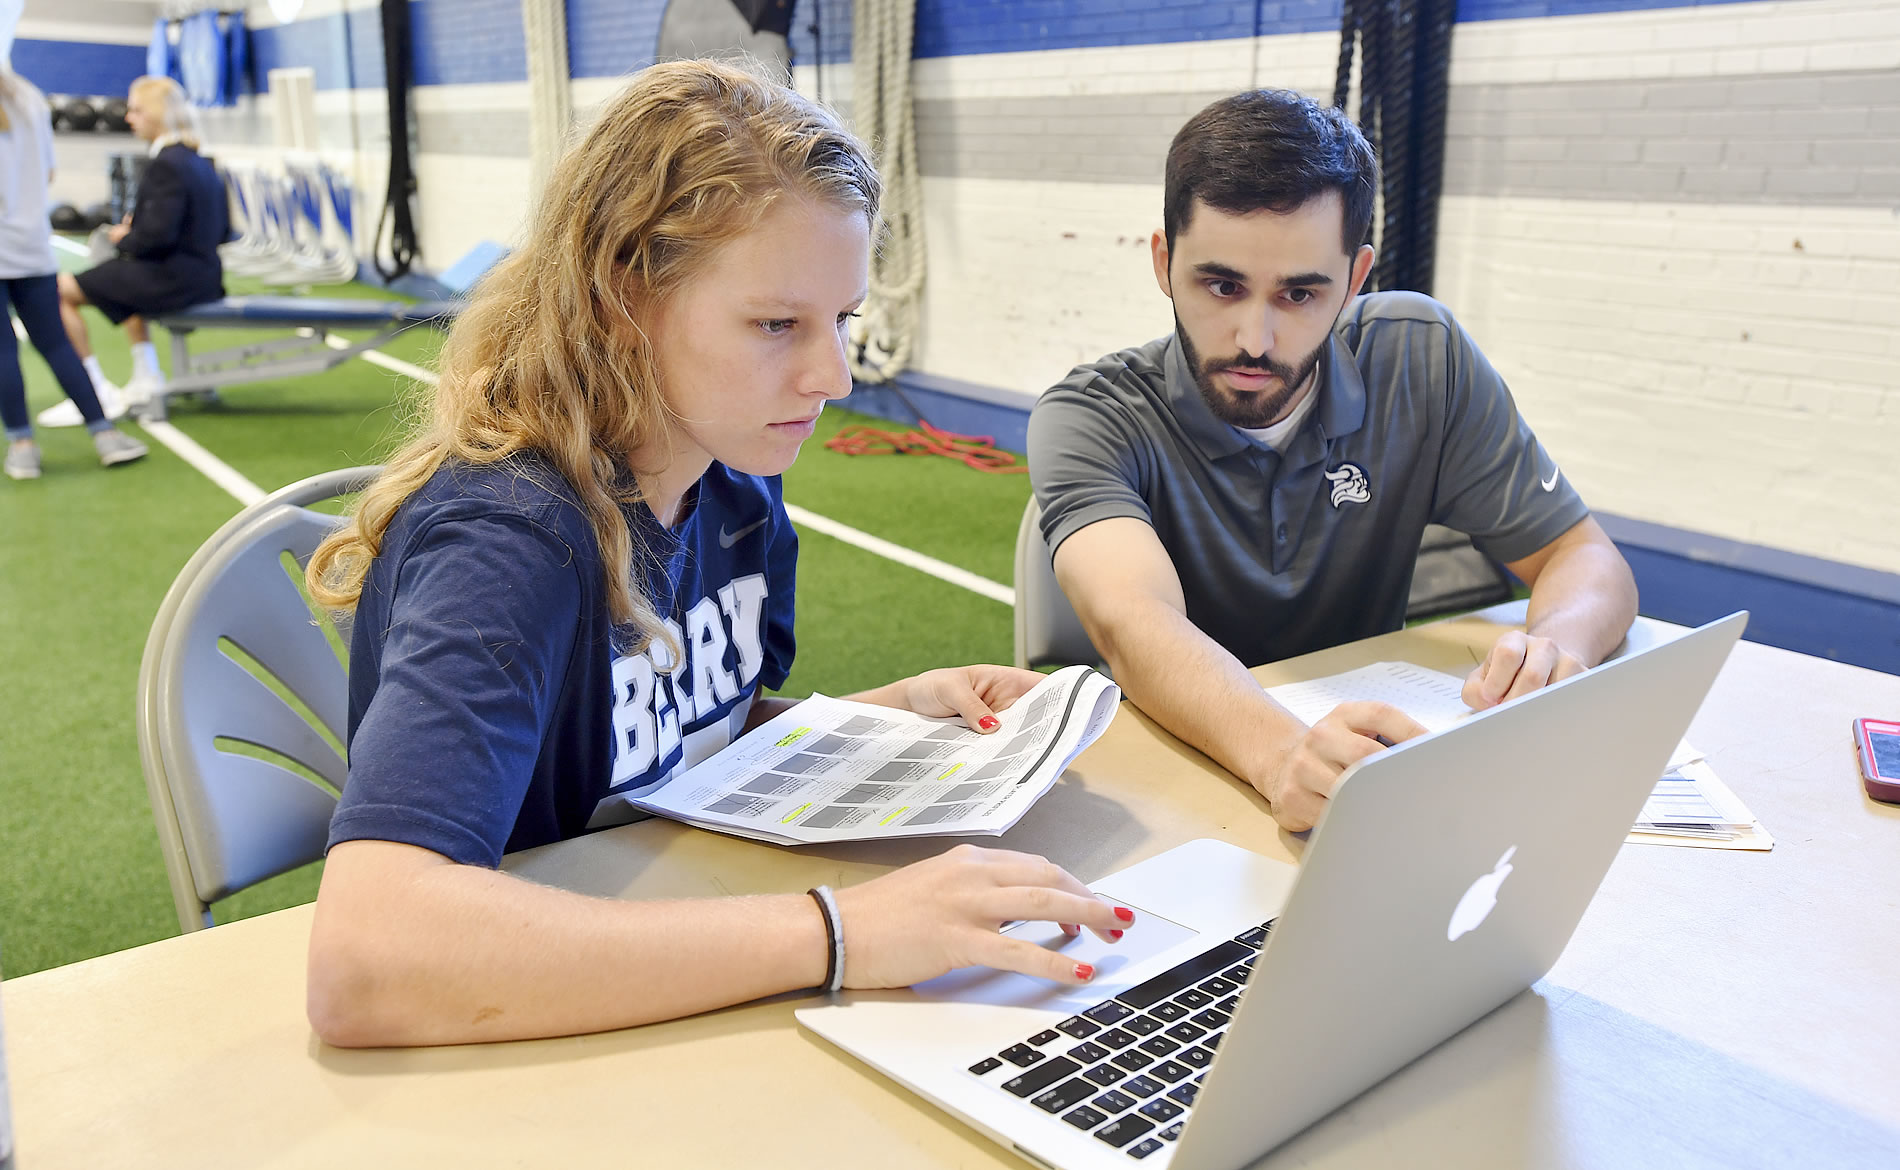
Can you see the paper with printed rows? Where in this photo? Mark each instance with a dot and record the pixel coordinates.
(834, 770)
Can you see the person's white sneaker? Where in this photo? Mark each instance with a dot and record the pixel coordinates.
(66, 414)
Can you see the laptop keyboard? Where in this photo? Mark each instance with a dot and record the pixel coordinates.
(1128, 1069)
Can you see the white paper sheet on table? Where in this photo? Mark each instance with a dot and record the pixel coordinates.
(835, 770)
(1691, 806)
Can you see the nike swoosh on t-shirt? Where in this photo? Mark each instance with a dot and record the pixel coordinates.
(1551, 483)
(728, 539)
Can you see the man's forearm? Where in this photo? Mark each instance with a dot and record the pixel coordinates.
(1187, 683)
(1584, 600)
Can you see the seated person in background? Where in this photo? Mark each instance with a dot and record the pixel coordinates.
(576, 579)
(1255, 485)
(168, 248)
(28, 286)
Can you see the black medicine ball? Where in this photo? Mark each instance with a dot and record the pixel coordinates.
(66, 218)
(81, 115)
(112, 116)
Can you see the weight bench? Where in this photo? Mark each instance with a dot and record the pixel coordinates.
(309, 352)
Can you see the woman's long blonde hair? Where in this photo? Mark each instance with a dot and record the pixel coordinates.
(549, 358)
(175, 113)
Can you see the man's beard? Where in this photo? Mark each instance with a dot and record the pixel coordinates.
(1255, 410)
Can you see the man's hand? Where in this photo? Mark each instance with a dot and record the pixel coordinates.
(1518, 664)
(118, 231)
(1298, 789)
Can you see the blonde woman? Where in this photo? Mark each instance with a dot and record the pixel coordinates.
(579, 577)
(29, 290)
(168, 246)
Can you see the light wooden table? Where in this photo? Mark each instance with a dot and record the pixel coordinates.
(1716, 1008)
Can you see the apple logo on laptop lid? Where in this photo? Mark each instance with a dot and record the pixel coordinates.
(1479, 900)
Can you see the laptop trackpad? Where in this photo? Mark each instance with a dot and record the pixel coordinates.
(1150, 935)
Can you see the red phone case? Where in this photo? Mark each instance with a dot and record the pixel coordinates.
(1879, 786)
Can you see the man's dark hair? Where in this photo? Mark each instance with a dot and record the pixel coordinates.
(1269, 150)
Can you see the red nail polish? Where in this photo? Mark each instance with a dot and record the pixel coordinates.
(1084, 972)
(987, 723)
(1116, 935)
(1124, 913)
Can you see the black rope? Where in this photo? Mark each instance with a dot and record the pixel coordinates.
(399, 210)
(1404, 53)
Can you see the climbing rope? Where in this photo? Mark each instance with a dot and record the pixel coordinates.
(881, 38)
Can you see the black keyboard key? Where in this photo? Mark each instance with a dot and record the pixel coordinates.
(1186, 975)
(1160, 1110)
(1197, 1057)
(1214, 1040)
(1042, 1037)
(987, 1064)
(1107, 1012)
(1042, 1076)
(1229, 1004)
(1186, 1032)
(1159, 1046)
(1169, 1011)
(1142, 1086)
(1141, 1025)
(1082, 1117)
(1185, 1094)
(1078, 1027)
(1134, 1060)
(1105, 1074)
(1143, 1148)
(1173, 1131)
(1088, 1052)
(1217, 985)
(1125, 1129)
(1113, 1101)
(1257, 937)
(1115, 1038)
(1021, 1055)
(1193, 997)
(1211, 1018)
(1238, 974)
(1069, 1093)
(1170, 1071)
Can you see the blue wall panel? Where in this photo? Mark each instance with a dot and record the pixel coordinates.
(345, 49)
(468, 42)
(608, 38)
(79, 68)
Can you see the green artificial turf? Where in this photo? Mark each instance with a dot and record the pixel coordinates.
(86, 554)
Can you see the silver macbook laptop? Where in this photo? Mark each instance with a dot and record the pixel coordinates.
(1445, 877)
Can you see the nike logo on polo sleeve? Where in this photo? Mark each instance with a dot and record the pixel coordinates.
(1551, 483)
(728, 539)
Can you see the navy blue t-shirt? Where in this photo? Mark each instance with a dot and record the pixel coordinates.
(492, 706)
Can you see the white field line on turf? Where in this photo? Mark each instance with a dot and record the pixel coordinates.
(66, 245)
(214, 469)
(877, 546)
(376, 358)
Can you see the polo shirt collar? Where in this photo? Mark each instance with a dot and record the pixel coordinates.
(1341, 408)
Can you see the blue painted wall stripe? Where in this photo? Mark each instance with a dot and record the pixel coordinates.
(79, 68)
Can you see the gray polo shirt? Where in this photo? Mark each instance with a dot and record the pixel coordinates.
(1280, 554)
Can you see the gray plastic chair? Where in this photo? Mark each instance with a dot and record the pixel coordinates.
(1450, 576)
(227, 820)
(1048, 633)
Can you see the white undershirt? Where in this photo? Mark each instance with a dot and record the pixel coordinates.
(1280, 434)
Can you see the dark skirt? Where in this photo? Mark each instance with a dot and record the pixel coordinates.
(122, 288)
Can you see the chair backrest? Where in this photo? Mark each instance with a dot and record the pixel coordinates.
(1047, 630)
(243, 703)
(1450, 575)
